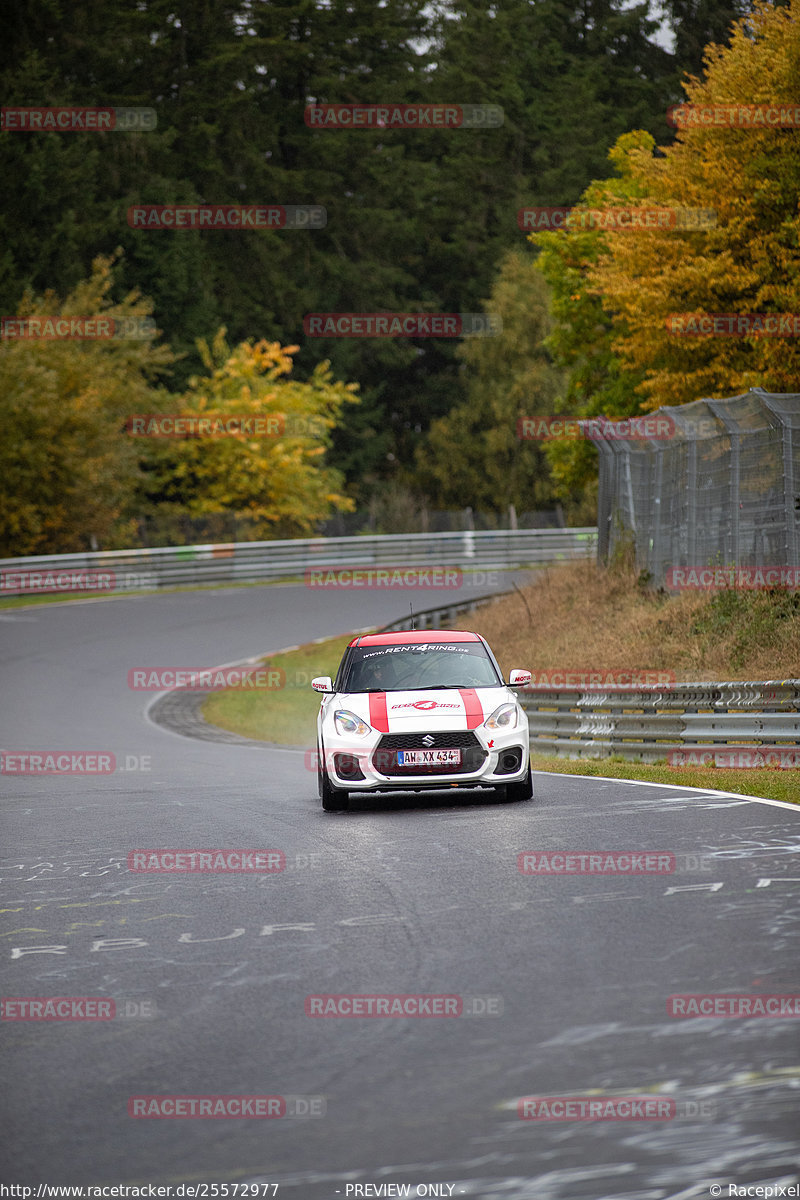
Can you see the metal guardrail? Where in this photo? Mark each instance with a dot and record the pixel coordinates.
(441, 617)
(646, 726)
(252, 562)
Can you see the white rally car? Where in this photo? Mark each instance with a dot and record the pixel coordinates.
(418, 711)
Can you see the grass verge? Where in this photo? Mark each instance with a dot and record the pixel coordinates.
(768, 783)
(287, 715)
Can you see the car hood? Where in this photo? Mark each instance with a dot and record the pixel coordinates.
(403, 712)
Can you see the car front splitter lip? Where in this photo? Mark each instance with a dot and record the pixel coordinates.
(428, 783)
(439, 786)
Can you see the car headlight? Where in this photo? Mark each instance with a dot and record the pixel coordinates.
(348, 723)
(504, 717)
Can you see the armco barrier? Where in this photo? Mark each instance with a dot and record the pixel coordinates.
(252, 562)
(645, 726)
(441, 617)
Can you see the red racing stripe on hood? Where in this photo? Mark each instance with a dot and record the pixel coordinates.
(378, 717)
(472, 707)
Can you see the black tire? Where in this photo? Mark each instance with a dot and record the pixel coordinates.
(522, 790)
(333, 799)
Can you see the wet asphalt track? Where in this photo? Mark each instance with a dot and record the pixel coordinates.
(414, 895)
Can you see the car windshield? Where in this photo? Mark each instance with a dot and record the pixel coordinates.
(416, 667)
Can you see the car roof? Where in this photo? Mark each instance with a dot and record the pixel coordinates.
(418, 636)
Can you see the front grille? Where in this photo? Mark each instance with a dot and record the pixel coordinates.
(456, 739)
(384, 757)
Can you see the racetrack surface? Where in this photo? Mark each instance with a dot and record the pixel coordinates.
(402, 895)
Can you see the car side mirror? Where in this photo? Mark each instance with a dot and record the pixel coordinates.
(324, 683)
(519, 678)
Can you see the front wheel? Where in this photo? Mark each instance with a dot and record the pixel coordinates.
(333, 799)
(522, 790)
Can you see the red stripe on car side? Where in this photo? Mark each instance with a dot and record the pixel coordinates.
(378, 717)
(472, 707)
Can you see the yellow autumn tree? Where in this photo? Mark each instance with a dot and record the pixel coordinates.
(277, 481)
(749, 263)
(68, 475)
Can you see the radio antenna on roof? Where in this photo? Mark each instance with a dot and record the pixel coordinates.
(411, 610)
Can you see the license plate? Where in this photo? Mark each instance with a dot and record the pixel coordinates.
(428, 758)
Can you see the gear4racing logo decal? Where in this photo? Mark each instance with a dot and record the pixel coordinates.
(424, 705)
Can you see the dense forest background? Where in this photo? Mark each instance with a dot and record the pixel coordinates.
(417, 221)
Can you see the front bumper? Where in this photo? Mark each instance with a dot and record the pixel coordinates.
(370, 764)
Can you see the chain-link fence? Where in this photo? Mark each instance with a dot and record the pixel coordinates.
(717, 486)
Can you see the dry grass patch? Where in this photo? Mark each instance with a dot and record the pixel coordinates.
(580, 617)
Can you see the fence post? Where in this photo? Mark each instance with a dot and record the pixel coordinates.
(691, 497)
(791, 495)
